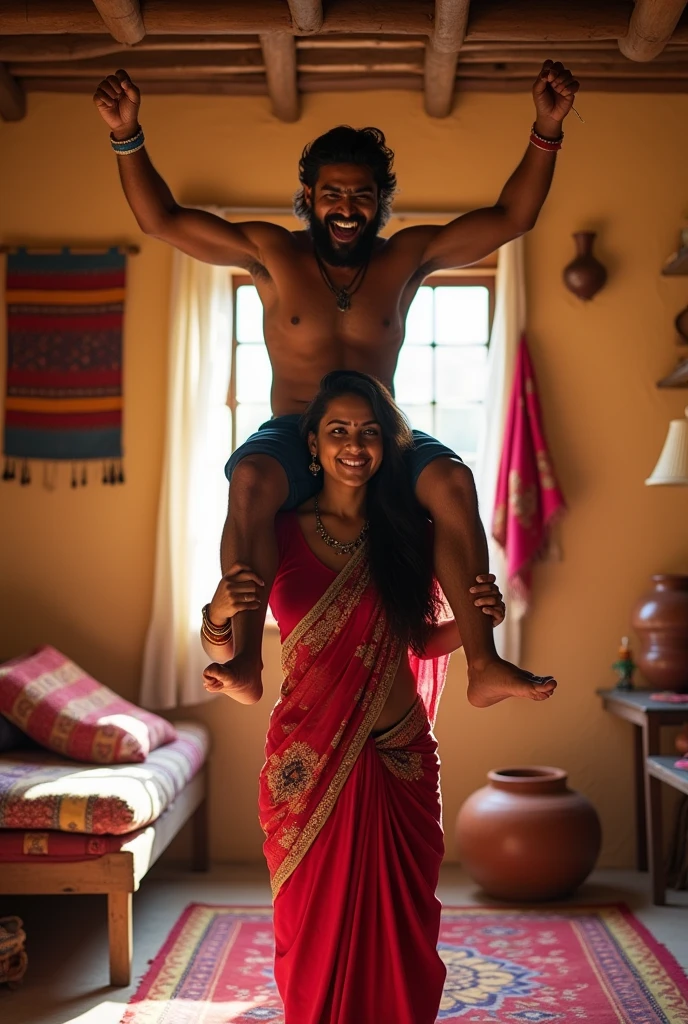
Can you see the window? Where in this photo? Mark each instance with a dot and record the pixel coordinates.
(440, 378)
(441, 374)
(249, 390)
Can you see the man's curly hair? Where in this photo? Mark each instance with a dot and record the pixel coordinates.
(346, 145)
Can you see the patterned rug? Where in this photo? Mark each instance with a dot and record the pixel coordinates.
(596, 964)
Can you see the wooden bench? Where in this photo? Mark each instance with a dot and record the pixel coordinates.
(660, 770)
(119, 874)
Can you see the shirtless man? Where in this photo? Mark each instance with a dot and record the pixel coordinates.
(335, 296)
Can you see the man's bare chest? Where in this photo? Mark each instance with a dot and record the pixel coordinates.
(368, 307)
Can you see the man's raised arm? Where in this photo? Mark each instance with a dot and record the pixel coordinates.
(476, 234)
(196, 232)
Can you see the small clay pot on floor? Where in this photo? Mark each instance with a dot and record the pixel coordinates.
(526, 836)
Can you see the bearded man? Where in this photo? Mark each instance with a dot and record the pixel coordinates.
(335, 296)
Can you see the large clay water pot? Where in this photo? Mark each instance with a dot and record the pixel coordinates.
(661, 621)
(526, 836)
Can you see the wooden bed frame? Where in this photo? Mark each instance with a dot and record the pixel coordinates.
(119, 875)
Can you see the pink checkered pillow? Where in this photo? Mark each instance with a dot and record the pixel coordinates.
(64, 709)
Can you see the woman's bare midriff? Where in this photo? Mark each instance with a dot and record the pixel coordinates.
(400, 699)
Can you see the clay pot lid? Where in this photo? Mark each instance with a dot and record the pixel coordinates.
(530, 777)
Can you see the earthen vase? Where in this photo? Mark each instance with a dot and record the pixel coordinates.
(661, 621)
(526, 836)
(584, 275)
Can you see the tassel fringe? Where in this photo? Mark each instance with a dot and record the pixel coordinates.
(113, 473)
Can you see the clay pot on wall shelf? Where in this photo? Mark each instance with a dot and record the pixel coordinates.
(661, 621)
(585, 275)
(527, 836)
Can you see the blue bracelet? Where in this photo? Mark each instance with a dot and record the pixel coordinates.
(126, 146)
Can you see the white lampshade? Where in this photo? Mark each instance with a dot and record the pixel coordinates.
(672, 467)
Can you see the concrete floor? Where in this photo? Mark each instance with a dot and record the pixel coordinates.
(67, 979)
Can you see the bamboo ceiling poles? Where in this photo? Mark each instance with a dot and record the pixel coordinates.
(122, 19)
(651, 27)
(283, 48)
(441, 55)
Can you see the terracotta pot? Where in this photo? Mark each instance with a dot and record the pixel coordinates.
(585, 275)
(661, 621)
(526, 836)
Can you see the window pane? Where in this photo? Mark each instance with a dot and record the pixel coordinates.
(420, 417)
(462, 315)
(249, 314)
(248, 419)
(460, 374)
(413, 379)
(253, 373)
(419, 319)
(459, 428)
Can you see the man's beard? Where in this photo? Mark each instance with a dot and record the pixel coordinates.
(343, 255)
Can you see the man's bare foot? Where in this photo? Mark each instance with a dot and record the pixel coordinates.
(500, 679)
(240, 678)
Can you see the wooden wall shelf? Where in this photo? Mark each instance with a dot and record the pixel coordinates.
(678, 378)
(677, 264)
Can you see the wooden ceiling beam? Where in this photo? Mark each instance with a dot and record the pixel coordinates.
(70, 47)
(353, 83)
(279, 54)
(122, 19)
(75, 47)
(307, 15)
(451, 20)
(530, 20)
(651, 27)
(441, 55)
(184, 85)
(209, 17)
(12, 97)
(439, 81)
(139, 64)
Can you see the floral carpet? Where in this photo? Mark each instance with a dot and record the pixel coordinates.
(509, 966)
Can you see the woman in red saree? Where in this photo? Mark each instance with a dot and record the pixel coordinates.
(349, 793)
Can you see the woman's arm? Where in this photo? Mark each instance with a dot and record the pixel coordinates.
(236, 592)
(446, 637)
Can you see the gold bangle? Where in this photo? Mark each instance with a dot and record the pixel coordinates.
(215, 640)
(215, 634)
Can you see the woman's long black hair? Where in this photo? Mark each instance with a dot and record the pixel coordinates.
(399, 536)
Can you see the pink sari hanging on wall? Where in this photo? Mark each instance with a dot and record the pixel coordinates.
(352, 820)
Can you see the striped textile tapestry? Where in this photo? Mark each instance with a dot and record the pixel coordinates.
(64, 357)
(559, 965)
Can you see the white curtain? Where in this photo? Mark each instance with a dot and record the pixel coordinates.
(507, 327)
(193, 496)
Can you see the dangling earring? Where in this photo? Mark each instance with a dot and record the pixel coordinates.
(315, 466)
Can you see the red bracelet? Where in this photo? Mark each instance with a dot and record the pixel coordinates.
(548, 145)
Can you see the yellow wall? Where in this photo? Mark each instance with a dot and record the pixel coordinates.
(76, 566)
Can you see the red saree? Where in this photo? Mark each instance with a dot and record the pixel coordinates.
(352, 820)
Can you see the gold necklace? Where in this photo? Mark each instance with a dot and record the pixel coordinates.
(337, 545)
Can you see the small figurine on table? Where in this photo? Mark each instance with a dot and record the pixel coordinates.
(624, 666)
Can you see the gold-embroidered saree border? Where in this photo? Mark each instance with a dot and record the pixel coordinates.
(322, 812)
(319, 608)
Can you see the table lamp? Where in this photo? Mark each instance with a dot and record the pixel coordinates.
(672, 465)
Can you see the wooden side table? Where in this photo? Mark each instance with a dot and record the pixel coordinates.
(648, 717)
(660, 770)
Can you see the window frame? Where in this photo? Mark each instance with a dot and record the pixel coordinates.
(481, 275)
